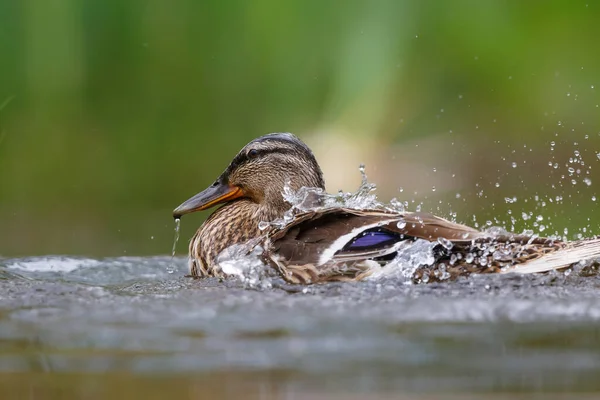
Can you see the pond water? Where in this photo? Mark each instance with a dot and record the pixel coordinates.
(127, 326)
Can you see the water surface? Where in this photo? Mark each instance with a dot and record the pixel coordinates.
(128, 320)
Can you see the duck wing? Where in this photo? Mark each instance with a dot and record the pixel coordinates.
(345, 244)
(336, 244)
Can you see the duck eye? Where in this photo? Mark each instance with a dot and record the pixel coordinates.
(252, 153)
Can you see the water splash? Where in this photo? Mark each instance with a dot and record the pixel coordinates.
(171, 268)
(316, 199)
(249, 268)
(244, 262)
(411, 256)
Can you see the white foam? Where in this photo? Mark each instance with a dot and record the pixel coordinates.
(51, 264)
(411, 255)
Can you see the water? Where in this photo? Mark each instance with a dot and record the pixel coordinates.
(137, 327)
(78, 317)
(176, 236)
(171, 268)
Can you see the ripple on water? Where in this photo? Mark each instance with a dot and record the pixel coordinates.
(95, 271)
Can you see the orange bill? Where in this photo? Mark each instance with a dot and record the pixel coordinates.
(217, 193)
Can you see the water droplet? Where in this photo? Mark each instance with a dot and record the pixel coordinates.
(469, 258)
(447, 244)
(401, 224)
(514, 164)
(262, 225)
(587, 181)
(171, 268)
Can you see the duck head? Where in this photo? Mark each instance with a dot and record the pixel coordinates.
(259, 173)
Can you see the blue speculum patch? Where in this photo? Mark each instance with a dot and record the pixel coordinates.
(373, 239)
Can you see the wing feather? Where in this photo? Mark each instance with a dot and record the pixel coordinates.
(319, 237)
(583, 250)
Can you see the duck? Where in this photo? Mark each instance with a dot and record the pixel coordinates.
(320, 244)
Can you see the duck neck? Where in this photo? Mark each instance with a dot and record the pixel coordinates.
(234, 223)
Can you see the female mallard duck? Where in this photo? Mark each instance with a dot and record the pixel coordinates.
(335, 244)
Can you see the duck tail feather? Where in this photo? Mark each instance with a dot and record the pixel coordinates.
(583, 250)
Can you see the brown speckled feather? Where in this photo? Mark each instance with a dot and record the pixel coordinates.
(234, 223)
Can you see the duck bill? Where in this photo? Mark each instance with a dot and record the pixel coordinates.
(211, 196)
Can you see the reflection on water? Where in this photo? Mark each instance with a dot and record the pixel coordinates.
(152, 332)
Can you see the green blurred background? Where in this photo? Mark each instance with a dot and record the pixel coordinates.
(114, 112)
